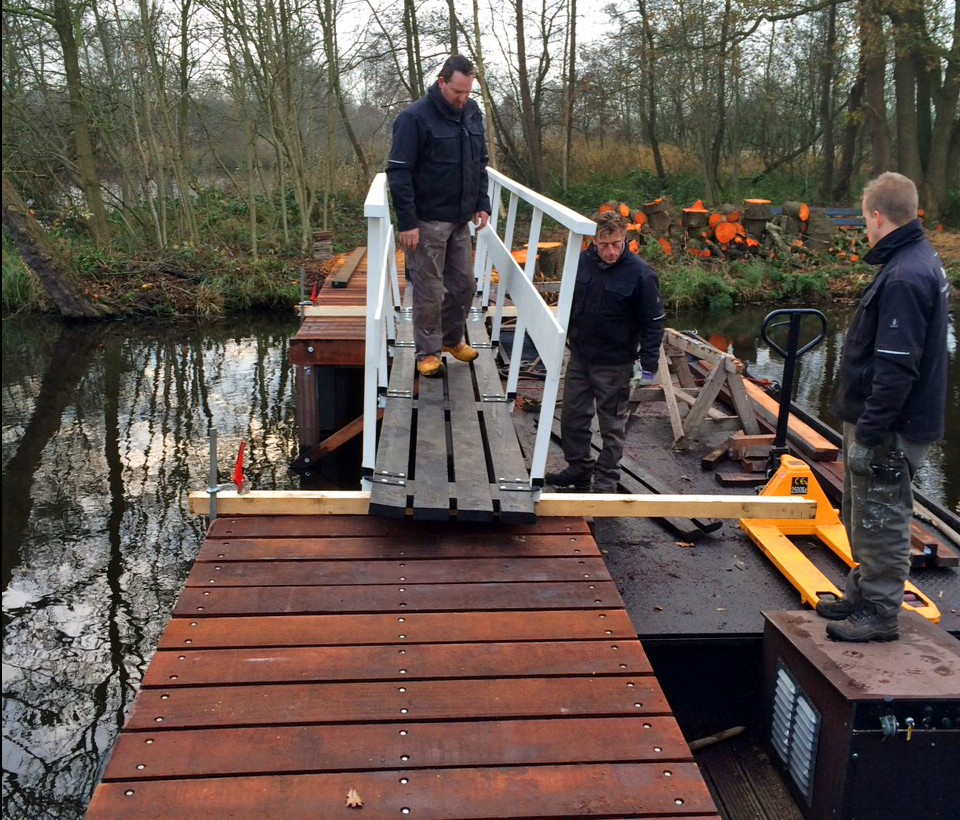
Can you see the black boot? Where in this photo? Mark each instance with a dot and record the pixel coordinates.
(576, 479)
(835, 609)
(865, 624)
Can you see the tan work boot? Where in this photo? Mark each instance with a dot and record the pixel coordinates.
(461, 351)
(430, 366)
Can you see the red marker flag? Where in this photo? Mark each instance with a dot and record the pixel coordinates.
(313, 293)
(238, 467)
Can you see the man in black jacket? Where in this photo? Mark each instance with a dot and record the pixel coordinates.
(616, 310)
(891, 397)
(438, 179)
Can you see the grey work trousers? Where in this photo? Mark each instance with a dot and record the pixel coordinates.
(876, 511)
(606, 387)
(443, 284)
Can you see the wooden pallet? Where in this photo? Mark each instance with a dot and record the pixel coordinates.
(310, 656)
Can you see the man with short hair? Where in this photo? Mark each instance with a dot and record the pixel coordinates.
(616, 310)
(438, 179)
(891, 397)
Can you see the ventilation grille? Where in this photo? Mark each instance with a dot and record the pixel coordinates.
(794, 730)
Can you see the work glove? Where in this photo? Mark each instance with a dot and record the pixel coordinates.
(641, 377)
(857, 458)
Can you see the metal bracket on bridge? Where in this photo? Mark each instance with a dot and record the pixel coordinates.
(493, 397)
(393, 479)
(399, 394)
(515, 485)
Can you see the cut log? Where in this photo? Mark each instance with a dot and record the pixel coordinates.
(755, 227)
(798, 210)
(725, 232)
(756, 209)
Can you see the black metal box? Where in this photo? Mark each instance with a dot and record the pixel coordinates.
(864, 731)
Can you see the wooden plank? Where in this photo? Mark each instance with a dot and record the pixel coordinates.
(637, 789)
(428, 547)
(417, 627)
(704, 402)
(469, 458)
(431, 498)
(663, 376)
(342, 277)
(389, 494)
(380, 746)
(413, 571)
(308, 416)
(312, 526)
(604, 505)
(314, 664)
(515, 505)
(808, 439)
(331, 442)
(416, 597)
(298, 703)
(609, 505)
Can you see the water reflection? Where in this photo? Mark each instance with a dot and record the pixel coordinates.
(817, 373)
(103, 437)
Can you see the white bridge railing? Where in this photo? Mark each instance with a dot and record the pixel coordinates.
(545, 325)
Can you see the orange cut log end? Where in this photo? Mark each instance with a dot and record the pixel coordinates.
(804, 212)
(714, 219)
(624, 209)
(665, 244)
(606, 206)
(725, 231)
(634, 246)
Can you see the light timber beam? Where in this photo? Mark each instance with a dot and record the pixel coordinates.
(598, 505)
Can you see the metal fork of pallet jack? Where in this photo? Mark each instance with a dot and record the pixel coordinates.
(790, 356)
(793, 476)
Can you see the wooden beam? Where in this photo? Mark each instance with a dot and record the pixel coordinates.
(331, 443)
(342, 277)
(599, 505)
(701, 350)
(334, 310)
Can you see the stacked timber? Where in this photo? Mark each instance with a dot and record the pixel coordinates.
(322, 245)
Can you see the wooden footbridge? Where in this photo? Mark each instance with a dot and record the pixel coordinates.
(324, 662)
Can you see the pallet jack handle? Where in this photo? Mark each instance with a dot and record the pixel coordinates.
(790, 355)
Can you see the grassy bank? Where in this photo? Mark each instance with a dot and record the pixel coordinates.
(220, 277)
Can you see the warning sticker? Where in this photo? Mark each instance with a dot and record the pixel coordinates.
(798, 485)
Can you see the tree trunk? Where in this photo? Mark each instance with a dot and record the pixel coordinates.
(717, 144)
(649, 54)
(940, 175)
(54, 271)
(570, 95)
(484, 87)
(873, 43)
(89, 178)
(452, 14)
(826, 103)
(527, 114)
(905, 86)
(848, 152)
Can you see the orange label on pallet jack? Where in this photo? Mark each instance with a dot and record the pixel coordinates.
(798, 485)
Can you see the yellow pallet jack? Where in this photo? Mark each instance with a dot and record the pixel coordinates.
(792, 477)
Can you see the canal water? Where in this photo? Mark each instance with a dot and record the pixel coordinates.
(104, 436)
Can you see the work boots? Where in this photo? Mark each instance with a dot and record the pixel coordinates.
(576, 479)
(461, 351)
(430, 366)
(865, 624)
(835, 609)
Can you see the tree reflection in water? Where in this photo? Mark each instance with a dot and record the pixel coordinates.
(104, 435)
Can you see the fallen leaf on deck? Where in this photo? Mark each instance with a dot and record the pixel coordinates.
(353, 800)
(658, 609)
(684, 543)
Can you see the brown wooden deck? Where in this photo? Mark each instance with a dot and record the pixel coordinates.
(337, 340)
(439, 670)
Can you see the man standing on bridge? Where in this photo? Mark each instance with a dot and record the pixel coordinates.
(892, 398)
(616, 314)
(438, 179)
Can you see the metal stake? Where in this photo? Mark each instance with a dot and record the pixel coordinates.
(214, 486)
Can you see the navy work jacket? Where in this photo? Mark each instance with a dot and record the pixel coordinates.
(893, 372)
(437, 167)
(616, 311)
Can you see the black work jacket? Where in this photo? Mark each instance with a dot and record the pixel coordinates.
(438, 162)
(616, 311)
(893, 372)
